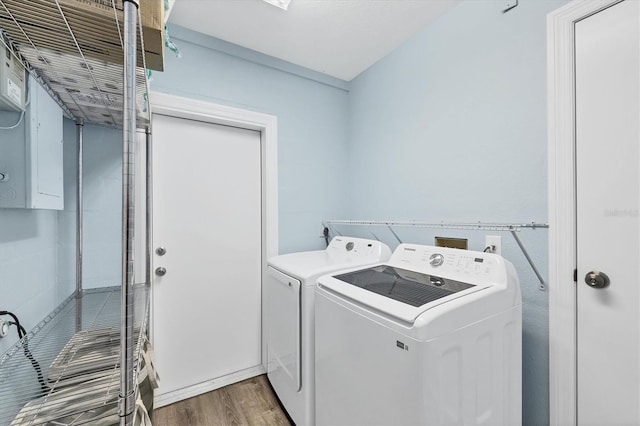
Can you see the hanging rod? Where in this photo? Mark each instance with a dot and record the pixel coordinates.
(512, 228)
(485, 226)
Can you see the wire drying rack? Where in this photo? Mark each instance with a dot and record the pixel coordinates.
(21, 388)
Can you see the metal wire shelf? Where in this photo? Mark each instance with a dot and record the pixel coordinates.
(92, 318)
(77, 59)
(480, 226)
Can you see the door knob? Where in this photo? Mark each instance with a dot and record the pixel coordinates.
(596, 279)
(161, 271)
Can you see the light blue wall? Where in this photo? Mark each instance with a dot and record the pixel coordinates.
(102, 183)
(312, 124)
(37, 247)
(451, 126)
(28, 249)
(27, 267)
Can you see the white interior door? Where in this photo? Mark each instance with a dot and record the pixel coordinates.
(607, 162)
(207, 216)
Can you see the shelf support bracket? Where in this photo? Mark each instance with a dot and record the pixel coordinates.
(542, 286)
(394, 234)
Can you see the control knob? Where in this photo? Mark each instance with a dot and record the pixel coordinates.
(436, 260)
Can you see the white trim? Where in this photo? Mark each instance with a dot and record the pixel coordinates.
(267, 125)
(562, 213)
(208, 386)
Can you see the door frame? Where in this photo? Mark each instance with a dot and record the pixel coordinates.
(562, 207)
(267, 125)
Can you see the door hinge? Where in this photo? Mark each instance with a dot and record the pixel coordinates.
(575, 275)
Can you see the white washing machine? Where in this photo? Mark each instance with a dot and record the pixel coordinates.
(432, 337)
(290, 291)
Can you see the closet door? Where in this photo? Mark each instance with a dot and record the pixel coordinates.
(607, 158)
(207, 259)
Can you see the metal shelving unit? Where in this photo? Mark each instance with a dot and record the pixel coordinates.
(53, 344)
(91, 58)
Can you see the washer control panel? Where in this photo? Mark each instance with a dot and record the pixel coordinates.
(444, 262)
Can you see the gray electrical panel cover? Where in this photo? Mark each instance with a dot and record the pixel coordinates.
(31, 156)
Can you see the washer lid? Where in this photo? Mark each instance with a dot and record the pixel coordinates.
(410, 287)
(398, 292)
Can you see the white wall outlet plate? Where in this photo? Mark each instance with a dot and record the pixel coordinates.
(495, 242)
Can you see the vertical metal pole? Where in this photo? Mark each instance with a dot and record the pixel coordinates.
(149, 206)
(79, 221)
(149, 217)
(127, 385)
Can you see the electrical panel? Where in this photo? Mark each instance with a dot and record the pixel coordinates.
(31, 156)
(12, 81)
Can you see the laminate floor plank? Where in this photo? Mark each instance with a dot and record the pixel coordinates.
(256, 397)
(232, 413)
(250, 402)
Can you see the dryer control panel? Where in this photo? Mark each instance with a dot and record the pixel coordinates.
(357, 247)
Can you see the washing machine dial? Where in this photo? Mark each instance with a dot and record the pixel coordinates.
(436, 259)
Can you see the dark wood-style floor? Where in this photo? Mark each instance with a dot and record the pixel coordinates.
(250, 402)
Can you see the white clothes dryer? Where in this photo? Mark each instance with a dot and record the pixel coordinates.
(290, 291)
(433, 337)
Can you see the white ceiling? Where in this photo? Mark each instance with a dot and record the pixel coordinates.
(340, 38)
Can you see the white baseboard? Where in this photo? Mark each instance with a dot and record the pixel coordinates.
(160, 400)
